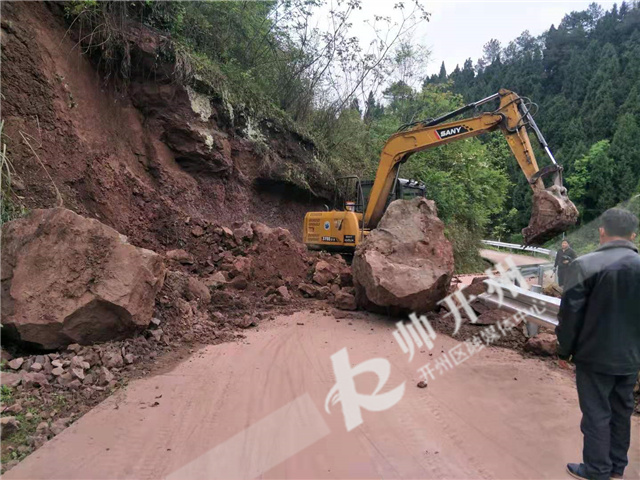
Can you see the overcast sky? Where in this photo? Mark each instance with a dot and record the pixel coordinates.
(457, 30)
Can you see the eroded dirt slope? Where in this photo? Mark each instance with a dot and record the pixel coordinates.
(147, 158)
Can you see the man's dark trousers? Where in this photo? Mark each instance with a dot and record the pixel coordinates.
(606, 402)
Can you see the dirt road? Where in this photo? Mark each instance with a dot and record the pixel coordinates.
(498, 415)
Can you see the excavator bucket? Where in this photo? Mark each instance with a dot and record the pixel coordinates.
(552, 213)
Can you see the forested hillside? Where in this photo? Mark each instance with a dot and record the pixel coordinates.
(584, 76)
(272, 68)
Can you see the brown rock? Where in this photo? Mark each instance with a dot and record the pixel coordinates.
(35, 367)
(180, 256)
(42, 428)
(76, 361)
(91, 284)
(346, 278)
(324, 273)
(215, 280)
(74, 384)
(477, 287)
(15, 408)
(78, 373)
(405, 264)
(323, 292)
(244, 322)
(16, 363)
(57, 371)
(308, 290)
(34, 379)
(544, 344)
(65, 379)
(37, 441)
(113, 358)
(241, 266)
(243, 232)
(239, 282)
(9, 426)
(491, 317)
(345, 301)
(196, 290)
(197, 231)
(59, 425)
(10, 379)
(105, 376)
(284, 293)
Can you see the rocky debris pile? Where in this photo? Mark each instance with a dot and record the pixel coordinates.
(221, 280)
(406, 263)
(331, 279)
(252, 267)
(70, 279)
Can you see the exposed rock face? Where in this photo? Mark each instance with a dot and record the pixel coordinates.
(405, 264)
(69, 279)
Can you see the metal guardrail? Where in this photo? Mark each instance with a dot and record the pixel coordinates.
(515, 246)
(536, 271)
(517, 299)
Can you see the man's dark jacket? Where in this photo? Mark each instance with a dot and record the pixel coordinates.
(600, 310)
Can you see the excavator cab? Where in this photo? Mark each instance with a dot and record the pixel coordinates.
(405, 189)
(353, 194)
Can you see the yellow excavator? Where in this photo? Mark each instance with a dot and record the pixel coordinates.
(552, 212)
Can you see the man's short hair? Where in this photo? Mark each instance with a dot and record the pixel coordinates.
(618, 222)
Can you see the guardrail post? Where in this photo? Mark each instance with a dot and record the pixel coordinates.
(532, 328)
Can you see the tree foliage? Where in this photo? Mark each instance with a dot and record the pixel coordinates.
(584, 75)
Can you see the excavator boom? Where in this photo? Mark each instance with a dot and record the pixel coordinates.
(552, 210)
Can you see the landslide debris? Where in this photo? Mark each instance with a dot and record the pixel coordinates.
(220, 281)
(406, 263)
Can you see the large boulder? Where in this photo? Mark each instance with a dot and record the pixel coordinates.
(406, 264)
(69, 279)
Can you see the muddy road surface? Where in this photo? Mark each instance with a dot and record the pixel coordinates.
(256, 408)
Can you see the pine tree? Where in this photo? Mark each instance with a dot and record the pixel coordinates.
(370, 107)
(442, 76)
(626, 155)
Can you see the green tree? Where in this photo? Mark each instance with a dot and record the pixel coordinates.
(625, 153)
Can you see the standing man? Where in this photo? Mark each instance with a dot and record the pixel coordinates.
(563, 259)
(599, 326)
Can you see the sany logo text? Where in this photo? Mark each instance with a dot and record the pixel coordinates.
(449, 132)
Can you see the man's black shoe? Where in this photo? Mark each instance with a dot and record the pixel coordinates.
(577, 470)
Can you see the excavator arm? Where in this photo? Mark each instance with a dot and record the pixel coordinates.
(552, 210)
